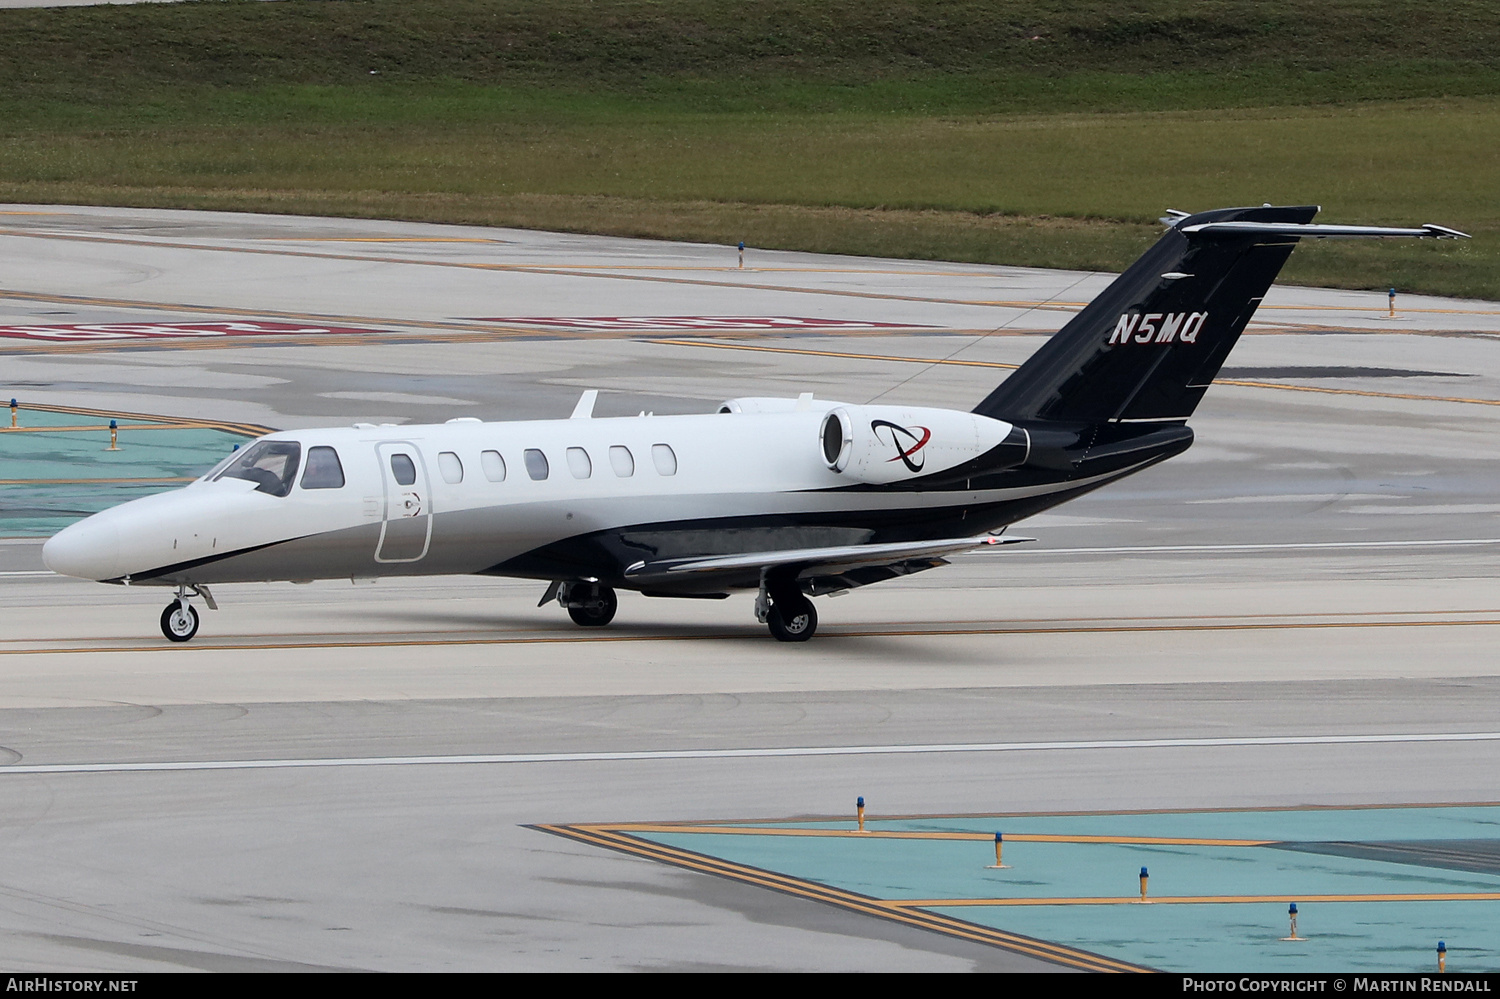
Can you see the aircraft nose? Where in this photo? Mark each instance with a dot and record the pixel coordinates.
(89, 549)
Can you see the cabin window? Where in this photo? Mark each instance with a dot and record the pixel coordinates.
(451, 467)
(271, 465)
(579, 463)
(403, 469)
(665, 458)
(622, 461)
(323, 470)
(536, 464)
(493, 465)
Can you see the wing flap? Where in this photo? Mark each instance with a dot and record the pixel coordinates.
(824, 560)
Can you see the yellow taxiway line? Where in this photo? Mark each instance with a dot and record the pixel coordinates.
(149, 421)
(576, 638)
(379, 239)
(731, 830)
(541, 269)
(376, 329)
(1076, 812)
(912, 628)
(944, 903)
(607, 837)
(90, 482)
(1466, 400)
(102, 426)
(602, 272)
(843, 355)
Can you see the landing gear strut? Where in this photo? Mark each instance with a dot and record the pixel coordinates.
(782, 607)
(590, 605)
(179, 621)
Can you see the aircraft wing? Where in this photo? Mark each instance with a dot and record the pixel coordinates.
(815, 561)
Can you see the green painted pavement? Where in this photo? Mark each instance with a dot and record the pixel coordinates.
(1313, 824)
(1354, 936)
(1245, 937)
(38, 509)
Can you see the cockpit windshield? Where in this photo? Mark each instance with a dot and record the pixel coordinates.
(213, 473)
(271, 465)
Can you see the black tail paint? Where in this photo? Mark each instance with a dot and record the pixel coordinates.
(1145, 350)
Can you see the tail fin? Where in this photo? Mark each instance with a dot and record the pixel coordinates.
(1148, 347)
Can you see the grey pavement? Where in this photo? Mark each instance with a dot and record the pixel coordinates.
(1321, 563)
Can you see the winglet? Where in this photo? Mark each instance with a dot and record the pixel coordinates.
(1443, 232)
(585, 408)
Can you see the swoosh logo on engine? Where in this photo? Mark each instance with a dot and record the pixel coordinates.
(899, 435)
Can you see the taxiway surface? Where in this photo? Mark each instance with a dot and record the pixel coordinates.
(1321, 565)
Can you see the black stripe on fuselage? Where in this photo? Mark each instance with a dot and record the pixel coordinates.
(605, 555)
(181, 567)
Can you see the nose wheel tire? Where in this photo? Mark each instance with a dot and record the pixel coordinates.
(792, 620)
(178, 622)
(594, 606)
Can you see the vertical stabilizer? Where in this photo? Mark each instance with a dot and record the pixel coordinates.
(1147, 348)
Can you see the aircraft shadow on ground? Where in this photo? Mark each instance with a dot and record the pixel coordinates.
(896, 648)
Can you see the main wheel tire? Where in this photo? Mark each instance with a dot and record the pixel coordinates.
(792, 620)
(177, 625)
(596, 609)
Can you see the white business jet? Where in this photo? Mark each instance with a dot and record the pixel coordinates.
(792, 498)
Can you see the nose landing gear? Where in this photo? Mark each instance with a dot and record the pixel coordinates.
(179, 620)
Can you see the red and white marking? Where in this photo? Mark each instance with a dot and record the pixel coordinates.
(149, 331)
(690, 322)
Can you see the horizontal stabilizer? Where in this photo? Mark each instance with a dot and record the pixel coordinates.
(1315, 231)
(831, 559)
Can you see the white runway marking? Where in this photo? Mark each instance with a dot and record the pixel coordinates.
(732, 754)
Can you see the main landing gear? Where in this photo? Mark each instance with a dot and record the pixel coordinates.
(590, 605)
(179, 621)
(781, 607)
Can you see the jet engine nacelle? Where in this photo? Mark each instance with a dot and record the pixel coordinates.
(881, 444)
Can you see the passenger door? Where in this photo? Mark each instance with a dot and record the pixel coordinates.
(407, 529)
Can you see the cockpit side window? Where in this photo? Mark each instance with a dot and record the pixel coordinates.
(271, 465)
(323, 469)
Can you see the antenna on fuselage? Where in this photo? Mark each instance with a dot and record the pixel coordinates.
(585, 408)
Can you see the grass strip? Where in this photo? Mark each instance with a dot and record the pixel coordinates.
(1047, 134)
